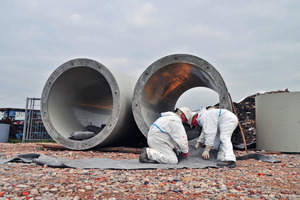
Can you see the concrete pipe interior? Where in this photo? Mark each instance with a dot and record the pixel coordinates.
(162, 83)
(79, 93)
(79, 97)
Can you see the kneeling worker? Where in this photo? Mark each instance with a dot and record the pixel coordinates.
(167, 135)
(211, 121)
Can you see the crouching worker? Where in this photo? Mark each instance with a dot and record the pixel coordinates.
(211, 121)
(167, 137)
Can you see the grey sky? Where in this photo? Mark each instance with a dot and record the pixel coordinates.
(255, 45)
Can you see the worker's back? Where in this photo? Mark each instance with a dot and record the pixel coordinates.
(169, 125)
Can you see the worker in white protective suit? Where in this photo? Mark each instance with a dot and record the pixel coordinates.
(213, 121)
(167, 138)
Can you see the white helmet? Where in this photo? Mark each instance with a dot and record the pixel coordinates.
(188, 114)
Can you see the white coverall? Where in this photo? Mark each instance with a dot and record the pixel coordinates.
(166, 133)
(212, 121)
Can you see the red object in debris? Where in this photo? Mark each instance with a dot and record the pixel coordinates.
(260, 174)
(25, 193)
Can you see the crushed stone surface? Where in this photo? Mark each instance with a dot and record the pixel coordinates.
(251, 179)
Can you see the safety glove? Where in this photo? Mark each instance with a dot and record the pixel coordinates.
(205, 154)
(198, 145)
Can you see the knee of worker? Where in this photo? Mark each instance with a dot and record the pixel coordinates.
(169, 158)
(172, 160)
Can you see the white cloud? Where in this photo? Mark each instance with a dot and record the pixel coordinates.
(76, 18)
(143, 15)
(202, 31)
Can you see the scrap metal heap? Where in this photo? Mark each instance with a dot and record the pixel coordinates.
(246, 113)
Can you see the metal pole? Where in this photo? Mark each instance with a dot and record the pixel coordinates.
(30, 118)
(25, 122)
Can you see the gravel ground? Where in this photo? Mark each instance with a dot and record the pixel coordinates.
(251, 179)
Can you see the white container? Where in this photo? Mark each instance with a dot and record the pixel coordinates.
(4, 132)
(278, 122)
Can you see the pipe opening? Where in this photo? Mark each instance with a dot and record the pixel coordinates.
(79, 97)
(196, 97)
(163, 89)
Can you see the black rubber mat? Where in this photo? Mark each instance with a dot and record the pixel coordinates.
(194, 161)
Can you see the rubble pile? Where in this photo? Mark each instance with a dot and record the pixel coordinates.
(245, 111)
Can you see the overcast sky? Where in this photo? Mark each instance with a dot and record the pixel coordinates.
(255, 45)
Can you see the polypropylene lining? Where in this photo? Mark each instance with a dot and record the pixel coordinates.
(194, 161)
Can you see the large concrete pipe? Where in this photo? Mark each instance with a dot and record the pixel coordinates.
(163, 82)
(82, 92)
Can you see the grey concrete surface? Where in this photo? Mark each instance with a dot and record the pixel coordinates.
(81, 92)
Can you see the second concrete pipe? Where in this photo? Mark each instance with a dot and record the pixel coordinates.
(163, 82)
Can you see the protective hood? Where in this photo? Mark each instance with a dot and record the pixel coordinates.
(202, 110)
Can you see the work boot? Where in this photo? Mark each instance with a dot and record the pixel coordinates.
(144, 157)
(229, 164)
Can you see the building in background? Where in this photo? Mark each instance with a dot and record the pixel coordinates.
(15, 117)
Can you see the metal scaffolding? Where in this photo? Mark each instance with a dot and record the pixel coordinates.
(34, 129)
